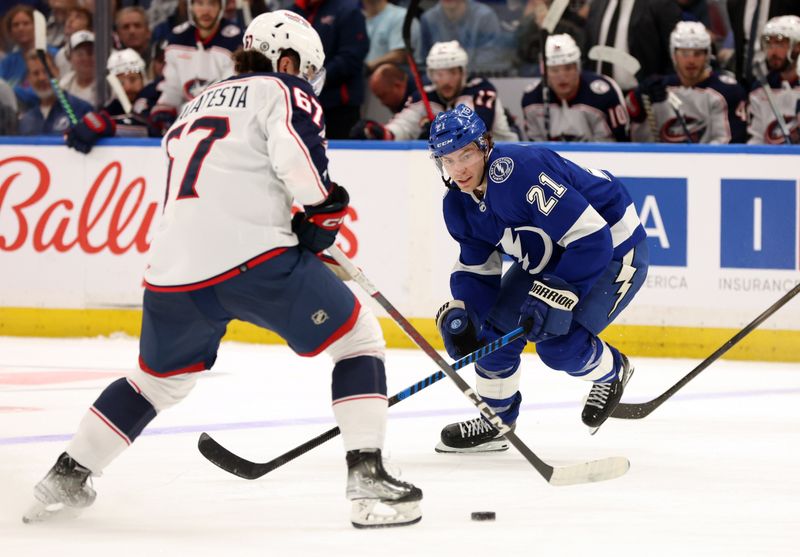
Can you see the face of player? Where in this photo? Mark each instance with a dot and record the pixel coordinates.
(690, 63)
(777, 51)
(205, 13)
(564, 80)
(22, 30)
(447, 82)
(132, 83)
(466, 167)
(133, 31)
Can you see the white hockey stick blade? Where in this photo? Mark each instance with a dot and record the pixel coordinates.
(590, 472)
(39, 31)
(615, 57)
(554, 15)
(119, 92)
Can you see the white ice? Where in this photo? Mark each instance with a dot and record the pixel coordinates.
(713, 472)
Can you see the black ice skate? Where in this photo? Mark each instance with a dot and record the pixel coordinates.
(472, 436)
(604, 397)
(379, 500)
(63, 492)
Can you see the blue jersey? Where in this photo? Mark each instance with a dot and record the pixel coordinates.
(545, 212)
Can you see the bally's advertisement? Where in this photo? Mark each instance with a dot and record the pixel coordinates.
(723, 225)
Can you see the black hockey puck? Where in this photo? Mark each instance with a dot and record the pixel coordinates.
(487, 515)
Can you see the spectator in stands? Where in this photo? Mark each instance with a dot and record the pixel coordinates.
(8, 109)
(385, 31)
(47, 116)
(713, 107)
(581, 105)
(748, 17)
(447, 69)
(133, 31)
(81, 80)
(198, 53)
(392, 86)
(18, 26)
(780, 42)
(57, 20)
(164, 16)
(476, 28)
(638, 27)
(342, 28)
(78, 19)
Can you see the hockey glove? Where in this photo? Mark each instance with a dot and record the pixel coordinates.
(94, 125)
(458, 329)
(547, 311)
(161, 119)
(655, 87)
(369, 129)
(316, 228)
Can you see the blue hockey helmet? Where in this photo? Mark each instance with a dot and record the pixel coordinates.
(454, 129)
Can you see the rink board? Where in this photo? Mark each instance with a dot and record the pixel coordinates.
(723, 226)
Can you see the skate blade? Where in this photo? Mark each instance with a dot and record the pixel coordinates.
(372, 513)
(490, 447)
(41, 512)
(593, 430)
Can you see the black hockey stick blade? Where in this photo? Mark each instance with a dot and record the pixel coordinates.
(638, 411)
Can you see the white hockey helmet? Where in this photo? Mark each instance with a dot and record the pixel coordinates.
(783, 26)
(446, 55)
(190, 15)
(690, 34)
(273, 32)
(125, 61)
(560, 50)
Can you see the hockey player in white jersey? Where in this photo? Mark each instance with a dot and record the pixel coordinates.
(694, 105)
(780, 42)
(582, 105)
(227, 247)
(447, 69)
(198, 53)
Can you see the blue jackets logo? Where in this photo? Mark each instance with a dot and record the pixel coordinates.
(501, 169)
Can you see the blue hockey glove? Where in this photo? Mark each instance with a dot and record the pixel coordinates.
(94, 125)
(654, 86)
(369, 129)
(317, 227)
(547, 311)
(458, 329)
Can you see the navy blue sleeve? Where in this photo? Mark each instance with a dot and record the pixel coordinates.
(308, 120)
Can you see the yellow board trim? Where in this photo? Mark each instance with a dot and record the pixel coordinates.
(634, 340)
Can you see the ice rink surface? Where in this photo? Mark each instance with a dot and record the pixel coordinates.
(714, 471)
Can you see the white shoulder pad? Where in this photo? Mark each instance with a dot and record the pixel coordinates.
(181, 28)
(727, 78)
(530, 87)
(230, 30)
(475, 81)
(599, 87)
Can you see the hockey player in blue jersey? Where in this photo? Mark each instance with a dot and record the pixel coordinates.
(579, 256)
(582, 105)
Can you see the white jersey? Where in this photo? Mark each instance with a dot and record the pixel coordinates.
(237, 156)
(192, 64)
(764, 127)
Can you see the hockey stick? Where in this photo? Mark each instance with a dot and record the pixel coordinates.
(676, 103)
(413, 7)
(760, 74)
(549, 23)
(248, 470)
(641, 410)
(593, 471)
(119, 92)
(40, 44)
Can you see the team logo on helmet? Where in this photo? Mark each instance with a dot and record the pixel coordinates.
(599, 86)
(501, 169)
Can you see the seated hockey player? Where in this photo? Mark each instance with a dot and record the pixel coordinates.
(128, 68)
(225, 252)
(712, 106)
(447, 69)
(780, 42)
(579, 256)
(582, 105)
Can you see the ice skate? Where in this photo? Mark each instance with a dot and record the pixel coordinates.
(63, 493)
(379, 500)
(604, 397)
(472, 436)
